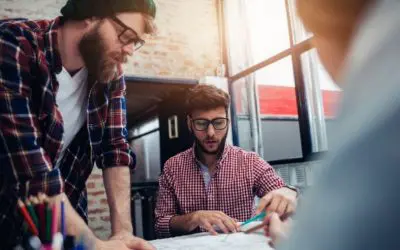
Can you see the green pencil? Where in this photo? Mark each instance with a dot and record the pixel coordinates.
(32, 212)
(49, 215)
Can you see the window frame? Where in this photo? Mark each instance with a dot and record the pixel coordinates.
(295, 51)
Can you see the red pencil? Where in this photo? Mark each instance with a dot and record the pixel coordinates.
(27, 217)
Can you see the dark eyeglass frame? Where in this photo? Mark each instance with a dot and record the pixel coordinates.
(210, 122)
(137, 41)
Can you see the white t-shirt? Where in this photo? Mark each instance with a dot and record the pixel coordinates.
(206, 174)
(72, 100)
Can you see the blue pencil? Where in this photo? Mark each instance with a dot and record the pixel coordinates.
(81, 243)
(63, 217)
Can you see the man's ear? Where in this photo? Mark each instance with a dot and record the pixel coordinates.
(89, 23)
(189, 123)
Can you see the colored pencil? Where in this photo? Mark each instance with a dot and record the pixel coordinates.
(54, 225)
(42, 218)
(63, 217)
(255, 218)
(27, 217)
(48, 218)
(255, 228)
(32, 212)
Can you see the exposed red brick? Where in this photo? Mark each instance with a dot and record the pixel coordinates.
(103, 202)
(90, 185)
(105, 218)
(96, 193)
(97, 210)
(91, 202)
(95, 177)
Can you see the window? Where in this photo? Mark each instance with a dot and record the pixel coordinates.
(276, 93)
(322, 95)
(299, 33)
(283, 97)
(268, 95)
(256, 30)
(268, 28)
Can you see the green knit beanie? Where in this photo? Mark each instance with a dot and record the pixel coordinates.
(82, 9)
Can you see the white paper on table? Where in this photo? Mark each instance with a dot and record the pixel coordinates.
(205, 241)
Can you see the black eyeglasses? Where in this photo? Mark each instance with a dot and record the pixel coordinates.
(128, 35)
(202, 124)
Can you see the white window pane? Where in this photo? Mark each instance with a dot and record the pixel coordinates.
(323, 96)
(280, 135)
(268, 28)
(256, 30)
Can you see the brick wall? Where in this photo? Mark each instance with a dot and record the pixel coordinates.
(186, 46)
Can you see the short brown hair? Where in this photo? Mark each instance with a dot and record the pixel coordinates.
(334, 19)
(150, 26)
(206, 97)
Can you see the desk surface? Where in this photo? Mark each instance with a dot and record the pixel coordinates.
(204, 241)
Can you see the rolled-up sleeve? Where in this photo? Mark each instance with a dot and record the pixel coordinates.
(22, 159)
(166, 206)
(115, 148)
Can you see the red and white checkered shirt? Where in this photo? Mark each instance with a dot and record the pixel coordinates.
(240, 176)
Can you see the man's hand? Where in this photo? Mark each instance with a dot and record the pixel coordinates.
(131, 242)
(111, 244)
(276, 229)
(209, 219)
(281, 201)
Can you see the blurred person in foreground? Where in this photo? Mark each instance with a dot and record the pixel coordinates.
(354, 205)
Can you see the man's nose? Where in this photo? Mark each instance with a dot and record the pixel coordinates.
(128, 49)
(210, 130)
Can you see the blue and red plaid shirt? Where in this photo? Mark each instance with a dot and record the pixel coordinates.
(31, 126)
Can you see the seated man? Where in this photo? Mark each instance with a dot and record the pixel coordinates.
(213, 185)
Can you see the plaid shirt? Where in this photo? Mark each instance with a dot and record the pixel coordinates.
(240, 176)
(31, 126)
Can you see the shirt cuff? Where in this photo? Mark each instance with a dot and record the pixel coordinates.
(117, 158)
(163, 226)
(50, 183)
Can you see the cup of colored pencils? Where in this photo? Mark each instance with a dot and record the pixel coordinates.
(45, 222)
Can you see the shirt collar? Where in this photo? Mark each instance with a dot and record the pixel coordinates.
(51, 45)
(220, 158)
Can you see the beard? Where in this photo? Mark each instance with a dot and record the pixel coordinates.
(201, 148)
(101, 64)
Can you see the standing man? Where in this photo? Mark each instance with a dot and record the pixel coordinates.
(62, 109)
(213, 185)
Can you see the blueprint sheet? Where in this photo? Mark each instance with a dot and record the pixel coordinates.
(205, 241)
